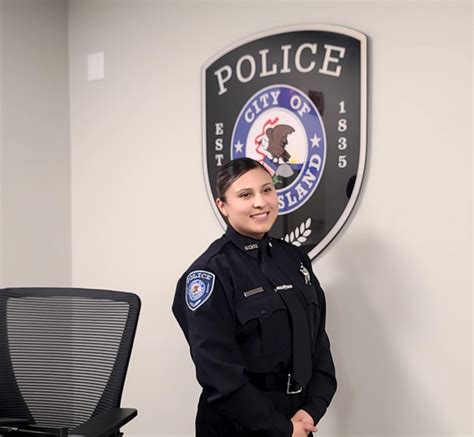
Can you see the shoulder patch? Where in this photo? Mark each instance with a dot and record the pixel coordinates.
(199, 286)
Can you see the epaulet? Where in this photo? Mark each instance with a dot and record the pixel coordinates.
(281, 242)
(292, 247)
(213, 250)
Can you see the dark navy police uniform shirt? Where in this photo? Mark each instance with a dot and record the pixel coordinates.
(238, 326)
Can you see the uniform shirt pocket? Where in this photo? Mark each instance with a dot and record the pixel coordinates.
(262, 319)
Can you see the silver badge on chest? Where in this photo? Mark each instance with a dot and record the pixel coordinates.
(305, 273)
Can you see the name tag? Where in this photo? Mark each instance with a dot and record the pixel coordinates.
(253, 291)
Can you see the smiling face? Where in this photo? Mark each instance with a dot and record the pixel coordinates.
(251, 203)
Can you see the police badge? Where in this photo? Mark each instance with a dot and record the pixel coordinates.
(294, 99)
(199, 286)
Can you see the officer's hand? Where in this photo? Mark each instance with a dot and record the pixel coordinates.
(302, 429)
(303, 416)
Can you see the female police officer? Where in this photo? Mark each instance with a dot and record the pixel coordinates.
(253, 314)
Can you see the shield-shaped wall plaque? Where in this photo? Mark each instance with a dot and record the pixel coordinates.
(295, 99)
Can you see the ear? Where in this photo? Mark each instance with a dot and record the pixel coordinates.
(222, 206)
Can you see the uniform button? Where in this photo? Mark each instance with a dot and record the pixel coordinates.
(263, 311)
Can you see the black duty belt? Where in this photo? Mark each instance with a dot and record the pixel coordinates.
(275, 382)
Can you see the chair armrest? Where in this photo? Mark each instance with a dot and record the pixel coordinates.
(11, 421)
(104, 424)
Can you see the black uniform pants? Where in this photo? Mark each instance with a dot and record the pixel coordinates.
(210, 423)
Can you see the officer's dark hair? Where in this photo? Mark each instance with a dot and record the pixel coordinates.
(231, 171)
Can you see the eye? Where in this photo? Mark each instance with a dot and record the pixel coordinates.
(244, 195)
(268, 189)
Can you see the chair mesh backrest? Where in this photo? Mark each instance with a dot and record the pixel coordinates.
(64, 353)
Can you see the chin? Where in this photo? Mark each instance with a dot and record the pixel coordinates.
(260, 230)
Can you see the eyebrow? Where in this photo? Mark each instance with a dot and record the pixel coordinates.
(244, 189)
(251, 189)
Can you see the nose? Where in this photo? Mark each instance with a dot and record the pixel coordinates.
(259, 201)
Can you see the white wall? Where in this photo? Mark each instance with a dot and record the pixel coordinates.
(35, 184)
(398, 279)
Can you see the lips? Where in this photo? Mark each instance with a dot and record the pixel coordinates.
(260, 215)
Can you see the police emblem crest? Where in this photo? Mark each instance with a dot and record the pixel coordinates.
(199, 287)
(294, 99)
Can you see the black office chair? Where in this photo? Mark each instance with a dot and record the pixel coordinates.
(64, 353)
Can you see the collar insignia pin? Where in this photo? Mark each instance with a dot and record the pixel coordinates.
(305, 273)
(251, 247)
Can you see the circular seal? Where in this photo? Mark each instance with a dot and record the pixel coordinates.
(280, 127)
(196, 290)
